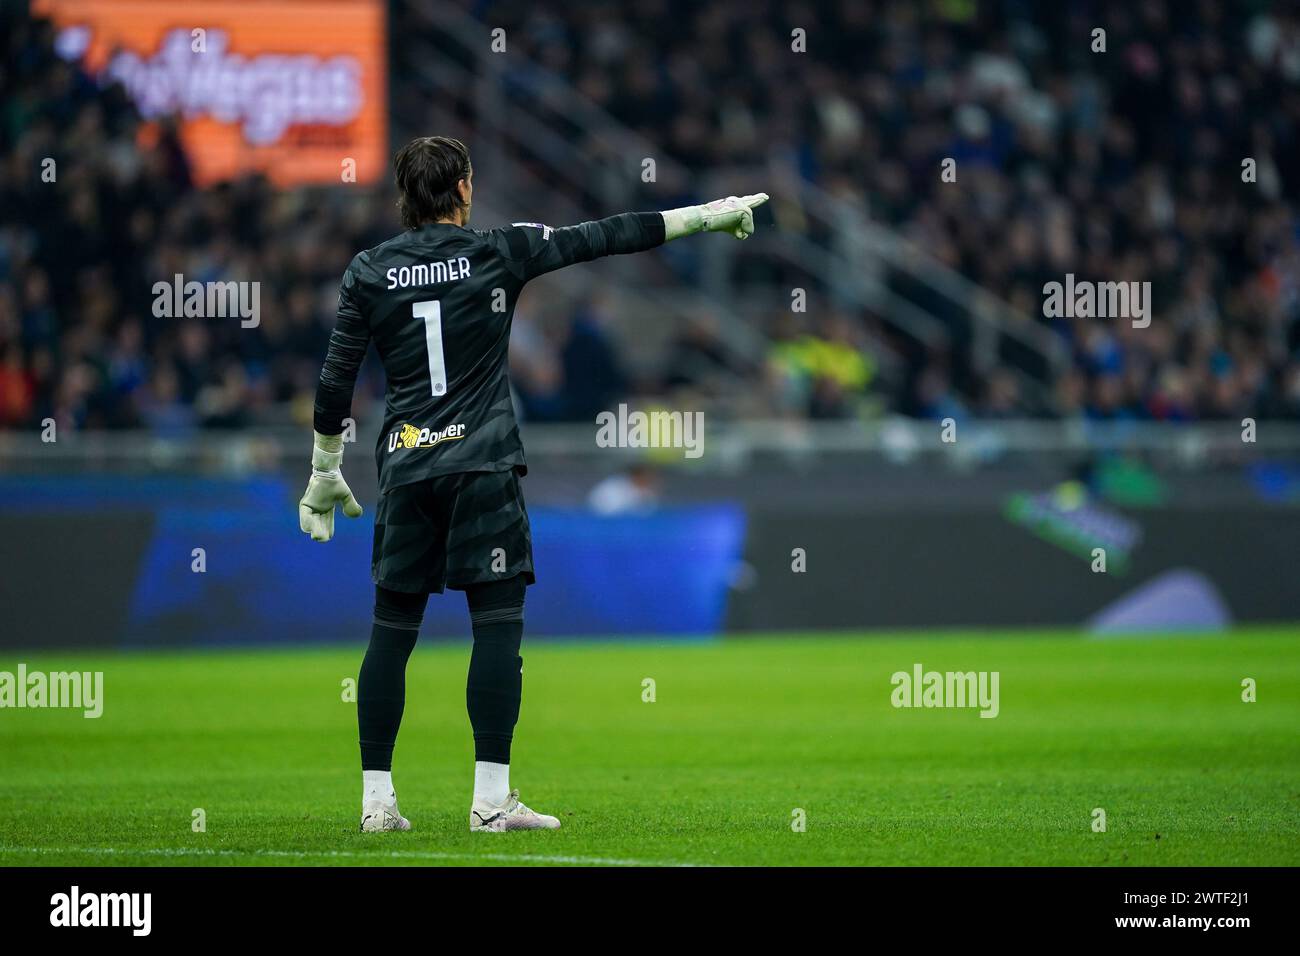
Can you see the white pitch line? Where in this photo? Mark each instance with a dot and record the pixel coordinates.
(305, 854)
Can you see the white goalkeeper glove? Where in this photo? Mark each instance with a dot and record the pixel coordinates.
(325, 489)
(735, 215)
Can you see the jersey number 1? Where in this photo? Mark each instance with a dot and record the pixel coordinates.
(431, 311)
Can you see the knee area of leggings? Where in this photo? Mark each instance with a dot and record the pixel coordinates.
(397, 609)
(495, 595)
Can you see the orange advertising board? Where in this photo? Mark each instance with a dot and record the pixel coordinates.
(294, 88)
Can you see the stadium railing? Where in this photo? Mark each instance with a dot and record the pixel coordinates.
(727, 446)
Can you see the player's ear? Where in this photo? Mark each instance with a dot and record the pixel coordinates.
(465, 191)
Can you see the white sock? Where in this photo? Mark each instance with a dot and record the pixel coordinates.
(491, 782)
(377, 785)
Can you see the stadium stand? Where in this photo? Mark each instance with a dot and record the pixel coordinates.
(1123, 165)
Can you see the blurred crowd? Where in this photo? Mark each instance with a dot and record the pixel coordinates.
(1115, 157)
(98, 207)
(79, 256)
(1122, 165)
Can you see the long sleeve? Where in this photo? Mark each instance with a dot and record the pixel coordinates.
(534, 249)
(347, 349)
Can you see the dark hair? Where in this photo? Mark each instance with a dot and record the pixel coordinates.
(427, 171)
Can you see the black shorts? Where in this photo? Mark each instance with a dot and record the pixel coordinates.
(451, 532)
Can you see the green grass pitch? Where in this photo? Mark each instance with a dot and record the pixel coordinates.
(742, 733)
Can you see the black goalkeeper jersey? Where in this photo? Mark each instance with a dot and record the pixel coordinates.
(437, 303)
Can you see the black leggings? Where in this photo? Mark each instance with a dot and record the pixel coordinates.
(492, 691)
(495, 685)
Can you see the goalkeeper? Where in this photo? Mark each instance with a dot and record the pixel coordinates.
(437, 301)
